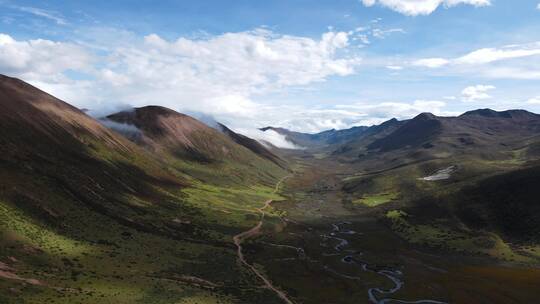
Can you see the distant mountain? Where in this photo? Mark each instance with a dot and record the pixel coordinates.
(413, 133)
(319, 140)
(484, 132)
(355, 145)
(512, 114)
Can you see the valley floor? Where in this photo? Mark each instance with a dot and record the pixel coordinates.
(324, 251)
(310, 245)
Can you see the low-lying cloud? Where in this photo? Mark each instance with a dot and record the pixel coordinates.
(269, 136)
(130, 131)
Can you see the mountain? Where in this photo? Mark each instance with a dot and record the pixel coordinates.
(253, 145)
(507, 203)
(60, 154)
(437, 180)
(321, 139)
(512, 114)
(81, 202)
(153, 206)
(183, 142)
(357, 145)
(29, 114)
(481, 133)
(413, 133)
(167, 131)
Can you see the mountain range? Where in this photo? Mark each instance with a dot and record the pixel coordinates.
(157, 204)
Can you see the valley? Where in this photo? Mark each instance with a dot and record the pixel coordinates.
(427, 210)
(352, 255)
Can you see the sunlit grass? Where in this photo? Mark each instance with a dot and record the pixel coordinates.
(376, 200)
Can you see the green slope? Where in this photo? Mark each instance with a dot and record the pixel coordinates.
(86, 216)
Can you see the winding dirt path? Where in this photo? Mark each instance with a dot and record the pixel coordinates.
(240, 238)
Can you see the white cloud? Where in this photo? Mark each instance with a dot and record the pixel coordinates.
(394, 67)
(269, 136)
(476, 93)
(239, 63)
(224, 76)
(422, 7)
(487, 55)
(538, 7)
(431, 62)
(534, 100)
(40, 59)
(519, 61)
(375, 113)
(532, 71)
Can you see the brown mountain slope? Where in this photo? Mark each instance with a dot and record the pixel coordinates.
(472, 129)
(414, 133)
(42, 114)
(253, 145)
(53, 157)
(482, 133)
(167, 131)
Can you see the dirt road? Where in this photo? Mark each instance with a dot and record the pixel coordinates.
(240, 238)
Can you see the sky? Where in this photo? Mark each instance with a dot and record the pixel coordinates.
(306, 65)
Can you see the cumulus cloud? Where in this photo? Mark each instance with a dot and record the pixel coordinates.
(41, 59)
(219, 74)
(222, 75)
(249, 61)
(422, 7)
(476, 93)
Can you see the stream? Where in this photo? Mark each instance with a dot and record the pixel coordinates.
(350, 256)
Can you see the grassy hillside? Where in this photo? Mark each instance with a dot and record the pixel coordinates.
(86, 216)
(481, 207)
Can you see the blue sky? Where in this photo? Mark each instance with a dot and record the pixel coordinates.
(306, 65)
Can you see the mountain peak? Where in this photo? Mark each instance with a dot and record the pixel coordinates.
(425, 116)
(516, 114)
(485, 113)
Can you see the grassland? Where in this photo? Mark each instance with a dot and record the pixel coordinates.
(376, 200)
(150, 241)
(440, 235)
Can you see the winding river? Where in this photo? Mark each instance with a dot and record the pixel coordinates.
(350, 256)
(340, 249)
